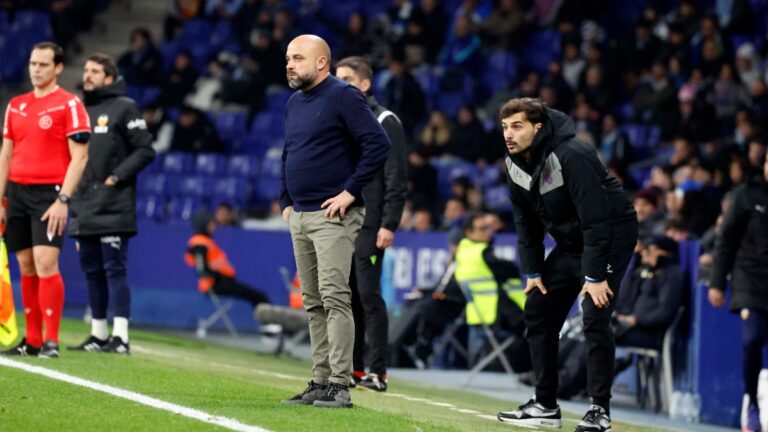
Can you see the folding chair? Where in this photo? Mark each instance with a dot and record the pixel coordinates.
(497, 348)
(219, 314)
(448, 337)
(654, 373)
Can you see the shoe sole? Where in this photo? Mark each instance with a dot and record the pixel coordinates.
(299, 402)
(319, 404)
(552, 423)
(47, 356)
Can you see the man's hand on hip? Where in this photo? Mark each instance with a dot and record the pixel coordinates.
(600, 293)
(339, 203)
(384, 238)
(535, 282)
(287, 213)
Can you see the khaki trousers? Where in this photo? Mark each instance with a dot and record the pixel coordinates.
(323, 249)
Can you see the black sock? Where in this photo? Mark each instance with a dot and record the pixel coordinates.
(604, 403)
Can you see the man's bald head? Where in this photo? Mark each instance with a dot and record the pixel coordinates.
(308, 62)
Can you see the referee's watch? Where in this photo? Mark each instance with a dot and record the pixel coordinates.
(64, 198)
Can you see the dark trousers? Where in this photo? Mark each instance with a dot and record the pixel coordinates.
(368, 307)
(103, 259)
(755, 337)
(230, 287)
(545, 314)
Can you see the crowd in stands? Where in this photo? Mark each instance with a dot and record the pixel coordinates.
(672, 93)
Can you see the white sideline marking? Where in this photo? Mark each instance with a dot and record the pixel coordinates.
(224, 422)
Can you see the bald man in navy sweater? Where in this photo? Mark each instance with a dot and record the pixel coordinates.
(334, 146)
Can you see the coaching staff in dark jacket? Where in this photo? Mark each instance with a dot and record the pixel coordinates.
(741, 249)
(384, 201)
(559, 186)
(104, 205)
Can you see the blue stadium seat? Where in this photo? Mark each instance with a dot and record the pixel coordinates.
(243, 166)
(449, 170)
(156, 166)
(491, 176)
(194, 186)
(255, 143)
(426, 79)
(32, 26)
(232, 189)
(195, 32)
(268, 122)
(267, 190)
(499, 71)
(450, 103)
(168, 50)
(154, 184)
(210, 164)
(183, 208)
(272, 165)
(150, 207)
(497, 198)
(221, 35)
(231, 125)
(541, 47)
(276, 100)
(178, 163)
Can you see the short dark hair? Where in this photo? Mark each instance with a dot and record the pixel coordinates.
(58, 52)
(535, 110)
(469, 220)
(107, 62)
(359, 65)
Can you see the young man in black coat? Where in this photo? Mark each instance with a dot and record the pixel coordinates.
(384, 202)
(104, 205)
(559, 186)
(741, 250)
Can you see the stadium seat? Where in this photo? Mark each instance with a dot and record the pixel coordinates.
(267, 189)
(236, 191)
(231, 125)
(178, 163)
(150, 207)
(194, 186)
(499, 71)
(183, 208)
(168, 50)
(243, 166)
(450, 103)
(276, 100)
(449, 170)
(152, 184)
(210, 164)
(497, 198)
(31, 26)
(271, 166)
(491, 176)
(542, 46)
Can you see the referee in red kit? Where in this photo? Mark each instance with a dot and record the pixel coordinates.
(44, 153)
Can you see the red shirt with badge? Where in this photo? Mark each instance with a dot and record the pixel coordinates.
(39, 128)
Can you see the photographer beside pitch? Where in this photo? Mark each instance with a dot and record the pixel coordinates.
(558, 185)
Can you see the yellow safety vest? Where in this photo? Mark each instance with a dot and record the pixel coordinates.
(475, 277)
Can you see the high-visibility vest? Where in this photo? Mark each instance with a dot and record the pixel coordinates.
(215, 256)
(474, 275)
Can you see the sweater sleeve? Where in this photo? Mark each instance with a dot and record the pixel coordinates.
(367, 133)
(395, 175)
(729, 239)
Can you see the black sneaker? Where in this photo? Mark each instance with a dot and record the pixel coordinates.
(22, 349)
(50, 349)
(92, 344)
(595, 420)
(375, 382)
(310, 394)
(117, 346)
(532, 413)
(336, 396)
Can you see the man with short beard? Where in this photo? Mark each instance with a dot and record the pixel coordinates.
(334, 146)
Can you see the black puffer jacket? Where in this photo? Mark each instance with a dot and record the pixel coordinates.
(121, 146)
(741, 248)
(566, 191)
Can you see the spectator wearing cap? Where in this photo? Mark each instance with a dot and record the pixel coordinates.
(747, 65)
(649, 217)
(651, 297)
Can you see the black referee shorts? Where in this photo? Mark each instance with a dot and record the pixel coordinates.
(26, 205)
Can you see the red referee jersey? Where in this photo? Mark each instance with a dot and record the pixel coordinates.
(39, 128)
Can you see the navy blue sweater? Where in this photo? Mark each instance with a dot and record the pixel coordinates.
(333, 143)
